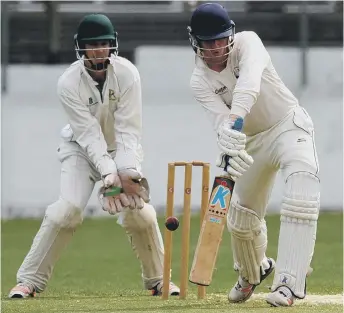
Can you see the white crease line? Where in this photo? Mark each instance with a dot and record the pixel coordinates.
(310, 299)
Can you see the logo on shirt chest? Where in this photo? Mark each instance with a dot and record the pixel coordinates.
(112, 96)
(221, 90)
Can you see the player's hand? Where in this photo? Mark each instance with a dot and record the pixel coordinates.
(112, 204)
(235, 166)
(230, 141)
(135, 187)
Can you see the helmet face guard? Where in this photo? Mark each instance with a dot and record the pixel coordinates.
(210, 22)
(92, 30)
(81, 52)
(196, 44)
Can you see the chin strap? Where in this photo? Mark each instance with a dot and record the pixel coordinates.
(99, 66)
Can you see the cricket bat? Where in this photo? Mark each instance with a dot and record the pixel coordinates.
(214, 222)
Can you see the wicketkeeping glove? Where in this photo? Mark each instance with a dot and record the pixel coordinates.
(114, 203)
(135, 187)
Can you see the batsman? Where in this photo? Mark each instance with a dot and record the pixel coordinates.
(235, 78)
(101, 95)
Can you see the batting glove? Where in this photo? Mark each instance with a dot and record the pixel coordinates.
(235, 166)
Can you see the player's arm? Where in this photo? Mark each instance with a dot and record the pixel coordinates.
(128, 125)
(128, 133)
(86, 130)
(253, 59)
(216, 110)
(230, 141)
(89, 136)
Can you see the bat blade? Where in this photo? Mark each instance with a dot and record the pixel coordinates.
(211, 232)
(212, 227)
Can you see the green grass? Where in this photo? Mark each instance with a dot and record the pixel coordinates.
(98, 271)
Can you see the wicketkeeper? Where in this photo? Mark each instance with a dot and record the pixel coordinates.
(101, 95)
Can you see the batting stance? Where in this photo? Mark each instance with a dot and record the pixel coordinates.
(234, 77)
(101, 95)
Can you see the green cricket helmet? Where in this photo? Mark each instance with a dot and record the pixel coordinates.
(95, 28)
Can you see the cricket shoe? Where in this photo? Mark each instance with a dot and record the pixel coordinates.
(21, 291)
(282, 296)
(243, 290)
(173, 291)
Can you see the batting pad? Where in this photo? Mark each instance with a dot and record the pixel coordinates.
(56, 231)
(249, 242)
(145, 238)
(299, 215)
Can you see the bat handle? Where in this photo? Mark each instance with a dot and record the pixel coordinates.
(238, 124)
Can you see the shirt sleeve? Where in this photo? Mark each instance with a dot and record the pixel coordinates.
(86, 130)
(216, 110)
(253, 59)
(128, 126)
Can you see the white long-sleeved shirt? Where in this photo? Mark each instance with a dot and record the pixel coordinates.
(248, 87)
(102, 124)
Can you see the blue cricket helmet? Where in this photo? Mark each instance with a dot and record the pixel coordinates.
(210, 21)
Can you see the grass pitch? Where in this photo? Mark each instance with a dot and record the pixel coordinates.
(98, 272)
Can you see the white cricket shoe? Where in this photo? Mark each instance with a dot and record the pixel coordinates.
(21, 291)
(243, 290)
(173, 291)
(282, 296)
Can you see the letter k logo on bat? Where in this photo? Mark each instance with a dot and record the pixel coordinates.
(220, 196)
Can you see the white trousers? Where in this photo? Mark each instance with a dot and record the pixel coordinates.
(287, 147)
(78, 178)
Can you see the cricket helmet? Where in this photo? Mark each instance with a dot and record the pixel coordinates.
(210, 21)
(94, 28)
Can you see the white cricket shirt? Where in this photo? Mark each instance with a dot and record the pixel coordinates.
(249, 87)
(104, 123)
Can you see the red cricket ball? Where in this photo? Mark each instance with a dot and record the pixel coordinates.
(172, 223)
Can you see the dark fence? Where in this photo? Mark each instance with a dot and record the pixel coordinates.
(29, 32)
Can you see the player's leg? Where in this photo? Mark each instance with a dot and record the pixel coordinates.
(59, 223)
(145, 237)
(299, 213)
(146, 241)
(247, 225)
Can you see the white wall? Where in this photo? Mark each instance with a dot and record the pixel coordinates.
(175, 127)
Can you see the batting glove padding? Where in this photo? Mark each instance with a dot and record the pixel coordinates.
(235, 166)
(230, 141)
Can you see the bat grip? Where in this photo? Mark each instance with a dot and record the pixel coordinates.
(238, 124)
